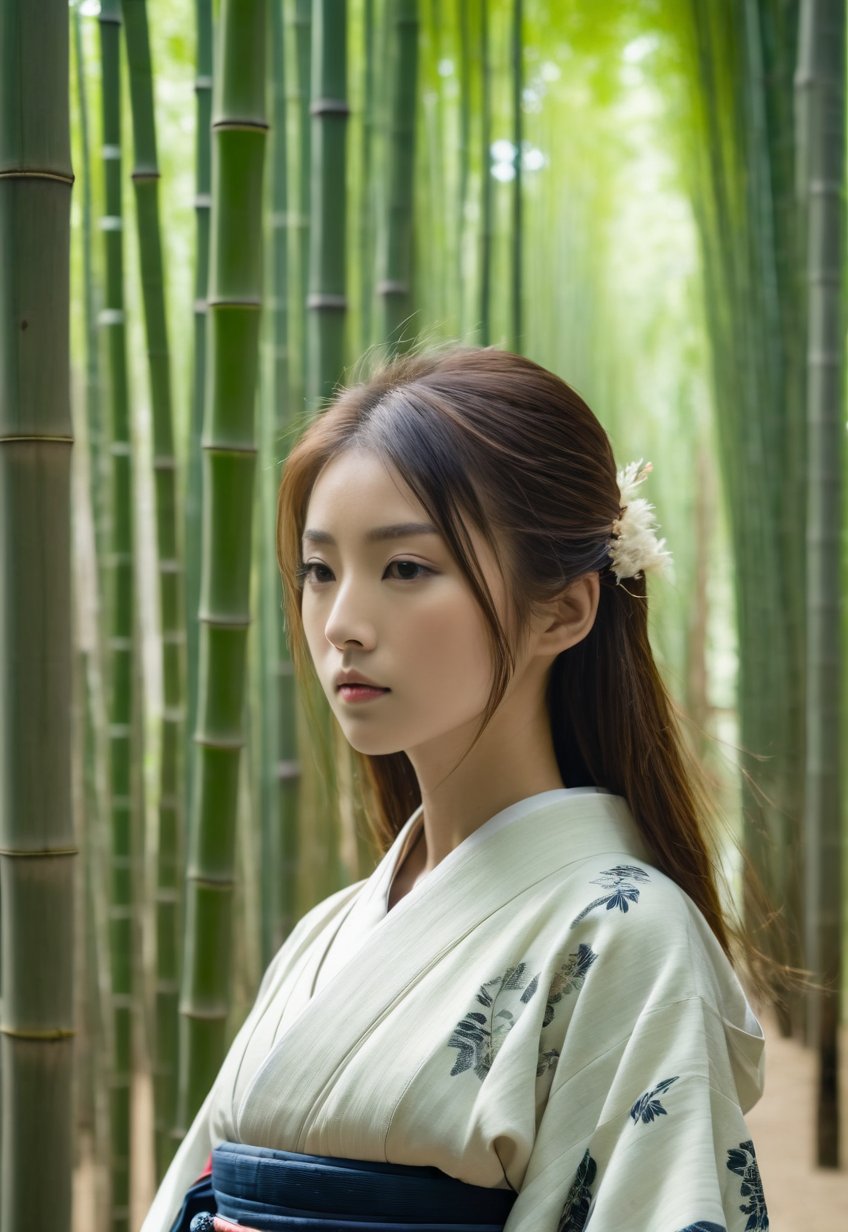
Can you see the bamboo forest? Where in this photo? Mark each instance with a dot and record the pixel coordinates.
(212, 214)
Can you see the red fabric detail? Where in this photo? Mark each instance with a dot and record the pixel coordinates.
(206, 1171)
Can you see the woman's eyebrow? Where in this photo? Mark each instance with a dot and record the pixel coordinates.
(399, 530)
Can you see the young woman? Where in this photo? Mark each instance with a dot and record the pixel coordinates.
(525, 1018)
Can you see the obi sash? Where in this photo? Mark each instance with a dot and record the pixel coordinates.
(258, 1188)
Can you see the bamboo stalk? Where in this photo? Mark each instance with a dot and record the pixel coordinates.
(779, 26)
(367, 213)
(37, 841)
(280, 770)
(145, 178)
(301, 96)
(486, 200)
(98, 466)
(327, 310)
(239, 137)
(464, 157)
(91, 529)
(820, 93)
(515, 330)
(732, 195)
(120, 607)
(327, 300)
(194, 467)
(395, 284)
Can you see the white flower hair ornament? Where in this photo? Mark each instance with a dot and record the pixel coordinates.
(634, 546)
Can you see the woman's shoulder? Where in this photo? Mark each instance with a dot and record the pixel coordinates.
(644, 926)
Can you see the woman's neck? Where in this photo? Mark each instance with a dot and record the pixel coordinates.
(513, 759)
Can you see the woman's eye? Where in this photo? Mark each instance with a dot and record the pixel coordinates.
(409, 564)
(312, 571)
(309, 571)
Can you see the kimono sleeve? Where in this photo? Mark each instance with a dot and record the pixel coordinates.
(670, 1151)
(643, 1129)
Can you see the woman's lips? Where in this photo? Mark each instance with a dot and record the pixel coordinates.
(360, 692)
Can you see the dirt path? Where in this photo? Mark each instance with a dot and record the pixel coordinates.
(801, 1198)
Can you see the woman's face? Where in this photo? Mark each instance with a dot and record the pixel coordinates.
(394, 607)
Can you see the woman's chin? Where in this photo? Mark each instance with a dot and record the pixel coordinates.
(370, 743)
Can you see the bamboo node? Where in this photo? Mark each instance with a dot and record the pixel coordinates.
(30, 173)
(337, 303)
(387, 287)
(110, 316)
(223, 621)
(288, 770)
(211, 883)
(329, 106)
(239, 126)
(233, 745)
(52, 1035)
(203, 82)
(111, 151)
(23, 437)
(227, 447)
(142, 176)
(196, 1015)
(38, 854)
(235, 303)
(111, 222)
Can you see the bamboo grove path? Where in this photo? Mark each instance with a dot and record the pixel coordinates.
(801, 1198)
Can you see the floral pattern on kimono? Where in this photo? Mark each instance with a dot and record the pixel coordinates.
(478, 1036)
(576, 1209)
(743, 1161)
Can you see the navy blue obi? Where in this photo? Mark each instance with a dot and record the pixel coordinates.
(265, 1189)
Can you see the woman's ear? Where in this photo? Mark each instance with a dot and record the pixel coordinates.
(568, 618)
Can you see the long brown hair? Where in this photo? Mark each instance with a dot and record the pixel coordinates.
(486, 437)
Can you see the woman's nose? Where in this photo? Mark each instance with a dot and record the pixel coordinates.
(349, 622)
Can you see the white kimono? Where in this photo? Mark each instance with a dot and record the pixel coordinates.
(544, 1011)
